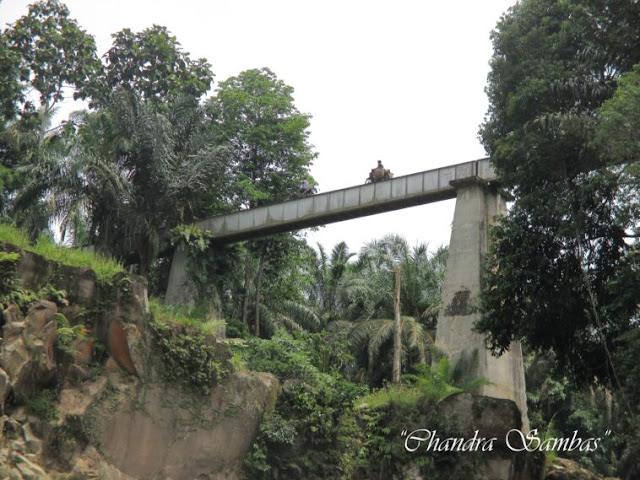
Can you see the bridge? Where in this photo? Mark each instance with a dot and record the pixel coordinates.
(477, 205)
(339, 205)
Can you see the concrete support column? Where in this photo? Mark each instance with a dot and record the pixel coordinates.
(178, 289)
(476, 207)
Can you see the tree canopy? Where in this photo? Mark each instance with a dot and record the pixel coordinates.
(566, 254)
(254, 113)
(52, 52)
(149, 154)
(152, 64)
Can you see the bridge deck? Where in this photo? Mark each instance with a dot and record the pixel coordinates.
(338, 205)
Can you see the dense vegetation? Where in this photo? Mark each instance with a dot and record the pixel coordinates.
(563, 276)
(156, 149)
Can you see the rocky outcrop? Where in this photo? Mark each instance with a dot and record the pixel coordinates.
(119, 348)
(158, 432)
(493, 418)
(27, 350)
(21, 449)
(106, 407)
(565, 469)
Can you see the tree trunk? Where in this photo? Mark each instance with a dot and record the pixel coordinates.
(259, 295)
(397, 340)
(247, 285)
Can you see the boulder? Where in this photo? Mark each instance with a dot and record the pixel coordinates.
(5, 388)
(39, 314)
(83, 350)
(27, 352)
(163, 432)
(28, 469)
(119, 347)
(565, 469)
(14, 359)
(493, 418)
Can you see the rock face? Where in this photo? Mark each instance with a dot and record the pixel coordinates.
(110, 409)
(155, 432)
(565, 469)
(27, 351)
(493, 418)
(125, 429)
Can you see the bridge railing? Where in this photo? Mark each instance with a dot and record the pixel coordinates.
(338, 205)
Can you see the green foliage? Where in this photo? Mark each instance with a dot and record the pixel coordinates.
(23, 298)
(619, 120)
(372, 450)
(72, 257)
(192, 236)
(44, 404)
(54, 53)
(254, 113)
(14, 236)
(68, 334)
(75, 257)
(138, 169)
(563, 274)
(203, 264)
(63, 445)
(426, 388)
(189, 353)
(8, 262)
(564, 262)
(10, 85)
(9, 257)
(365, 297)
(237, 329)
(300, 439)
(198, 317)
(152, 64)
(328, 271)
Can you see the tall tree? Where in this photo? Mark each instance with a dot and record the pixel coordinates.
(136, 170)
(55, 53)
(152, 64)
(255, 114)
(145, 160)
(10, 85)
(328, 271)
(43, 55)
(563, 253)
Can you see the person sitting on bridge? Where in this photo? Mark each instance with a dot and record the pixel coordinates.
(379, 173)
(304, 188)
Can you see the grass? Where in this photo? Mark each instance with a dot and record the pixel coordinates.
(189, 317)
(402, 396)
(429, 386)
(73, 257)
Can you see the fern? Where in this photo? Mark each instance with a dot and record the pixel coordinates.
(67, 334)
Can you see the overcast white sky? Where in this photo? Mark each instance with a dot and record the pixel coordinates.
(399, 81)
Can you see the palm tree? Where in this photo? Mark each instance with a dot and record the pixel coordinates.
(134, 170)
(328, 272)
(25, 142)
(279, 308)
(367, 296)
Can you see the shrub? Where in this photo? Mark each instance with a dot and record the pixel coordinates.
(188, 350)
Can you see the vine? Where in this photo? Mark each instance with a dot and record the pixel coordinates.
(190, 357)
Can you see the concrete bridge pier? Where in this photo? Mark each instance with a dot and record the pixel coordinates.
(179, 290)
(477, 204)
